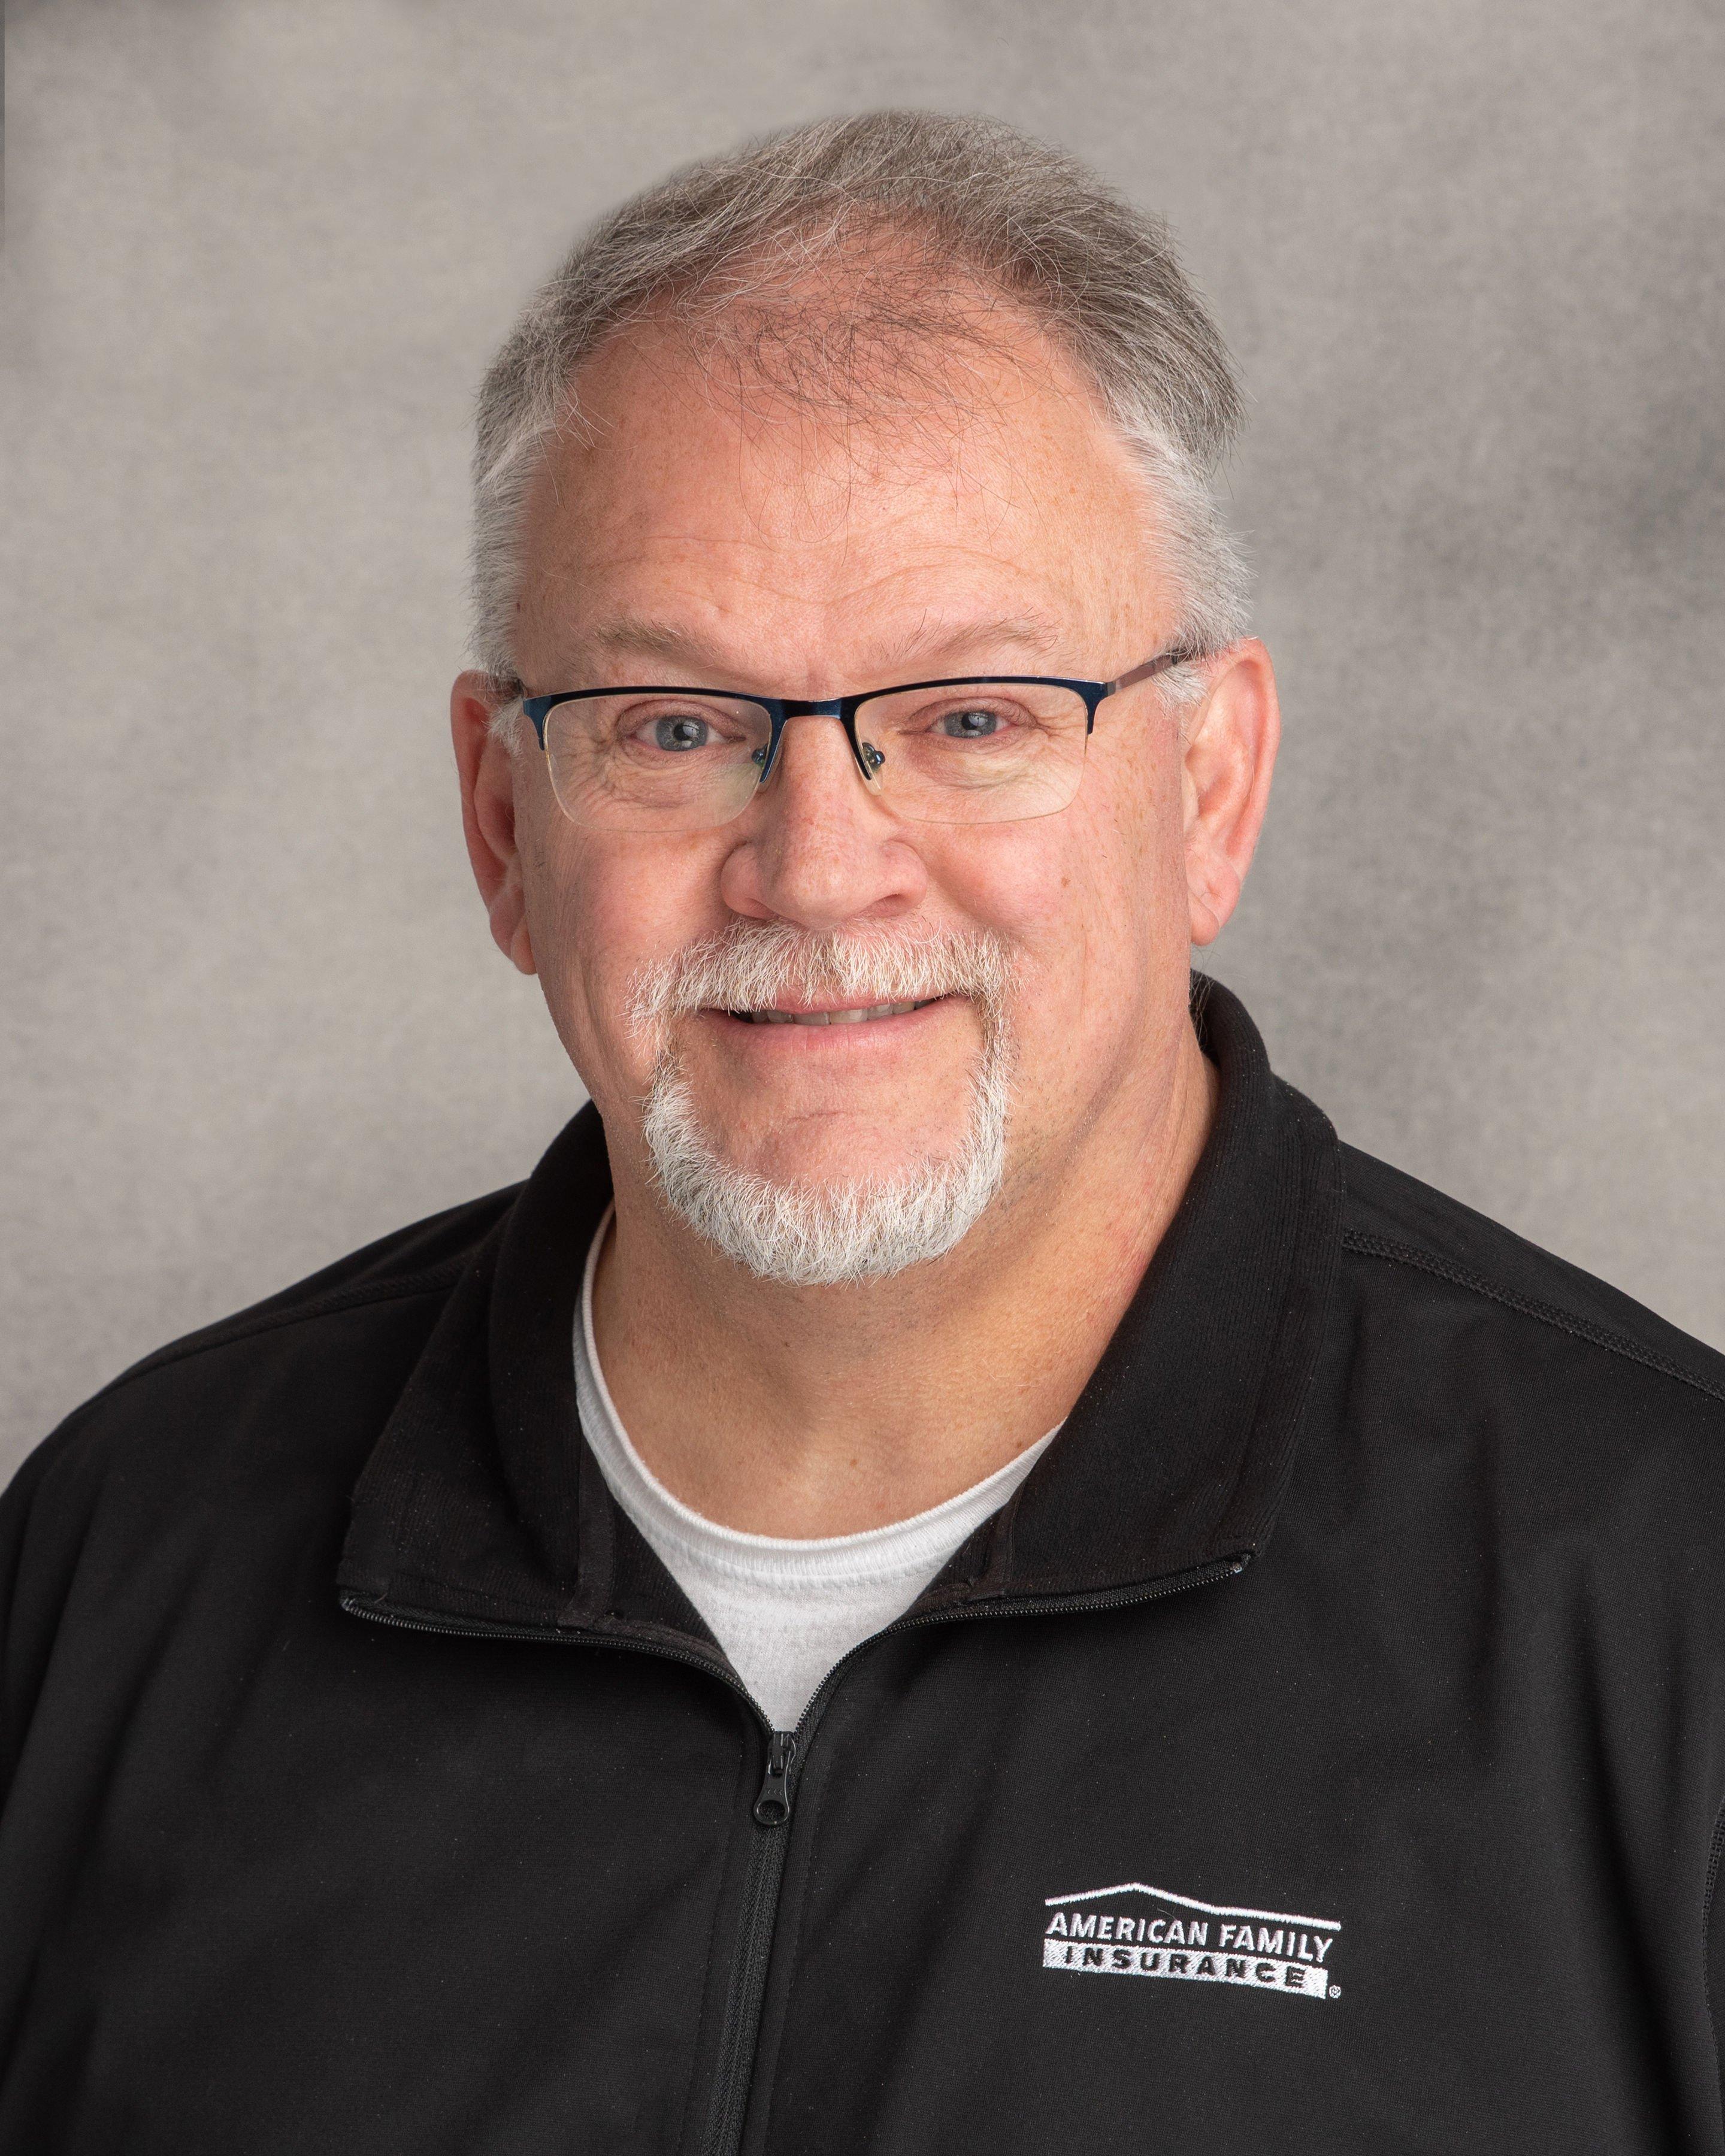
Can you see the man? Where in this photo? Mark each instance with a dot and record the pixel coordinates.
(952, 1572)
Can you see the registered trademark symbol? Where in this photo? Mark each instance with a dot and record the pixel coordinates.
(1335, 1991)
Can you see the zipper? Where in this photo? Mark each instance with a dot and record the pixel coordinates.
(773, 1807)
(770, 1812)
(1714, 1853)
(772, 1815)
(733, 2085)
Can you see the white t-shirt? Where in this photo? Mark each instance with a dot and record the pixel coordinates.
(784, 1611)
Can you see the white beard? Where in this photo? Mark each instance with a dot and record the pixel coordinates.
(831, 1234)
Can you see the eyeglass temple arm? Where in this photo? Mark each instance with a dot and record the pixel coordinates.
(1163, 660)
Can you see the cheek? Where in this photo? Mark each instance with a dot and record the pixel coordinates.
(1132, 846)
(1092, 891)
(599, 910)
(1095, 901)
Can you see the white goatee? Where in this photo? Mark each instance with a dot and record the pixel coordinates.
(827, 1234)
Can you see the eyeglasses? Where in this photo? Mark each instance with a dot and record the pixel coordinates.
(990, 749)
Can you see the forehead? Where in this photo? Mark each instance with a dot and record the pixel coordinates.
(975, 478)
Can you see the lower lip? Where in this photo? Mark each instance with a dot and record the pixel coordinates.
(810, 1037)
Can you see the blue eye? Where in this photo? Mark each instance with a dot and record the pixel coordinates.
(680, 733)
(969, 725)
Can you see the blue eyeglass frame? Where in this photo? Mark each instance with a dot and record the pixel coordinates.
(844, 708)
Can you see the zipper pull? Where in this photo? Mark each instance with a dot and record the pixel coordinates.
(773, 1807)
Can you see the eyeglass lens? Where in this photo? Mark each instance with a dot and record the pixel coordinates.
(976, 753)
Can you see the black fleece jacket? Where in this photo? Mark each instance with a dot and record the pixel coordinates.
(1322, 1751)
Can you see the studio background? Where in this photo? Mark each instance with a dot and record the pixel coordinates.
(258, 254)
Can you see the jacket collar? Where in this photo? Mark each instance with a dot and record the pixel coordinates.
(483, 1504)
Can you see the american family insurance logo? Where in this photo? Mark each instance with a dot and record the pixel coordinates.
(1144, 1931)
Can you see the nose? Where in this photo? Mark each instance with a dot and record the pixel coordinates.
(816, 846)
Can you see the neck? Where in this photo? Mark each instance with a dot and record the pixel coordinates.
(823, 1411)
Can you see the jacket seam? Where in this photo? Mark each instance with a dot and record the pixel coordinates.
(507, 1608)
(538, 1616)
(1546, 1313)
(225, 1335)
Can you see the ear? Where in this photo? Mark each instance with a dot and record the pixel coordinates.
(1229, 756)
(489, 774)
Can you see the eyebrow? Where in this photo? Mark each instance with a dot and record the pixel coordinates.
(639, 636)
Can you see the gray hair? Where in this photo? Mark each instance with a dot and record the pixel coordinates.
(978, 200)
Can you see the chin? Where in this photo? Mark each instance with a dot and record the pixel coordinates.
(828, 1155)
(817, 1222)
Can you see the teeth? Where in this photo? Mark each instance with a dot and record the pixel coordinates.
(830, 1018)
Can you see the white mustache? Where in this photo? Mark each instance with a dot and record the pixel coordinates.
(752, 965)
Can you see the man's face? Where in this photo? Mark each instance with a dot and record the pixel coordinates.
(740, 543)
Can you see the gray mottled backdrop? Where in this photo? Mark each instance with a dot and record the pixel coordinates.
(1470, 254)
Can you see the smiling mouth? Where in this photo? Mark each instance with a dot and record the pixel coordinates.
(860, 1016)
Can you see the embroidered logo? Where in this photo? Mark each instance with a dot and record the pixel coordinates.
(1135, 1930)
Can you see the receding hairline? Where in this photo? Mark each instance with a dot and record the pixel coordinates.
(818, 344)
(969, 200)
(593, 631)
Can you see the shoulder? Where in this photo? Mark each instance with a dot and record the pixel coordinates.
(221, 1465)
(1445, 1253)
(315, 1353)
(1464, 1333)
